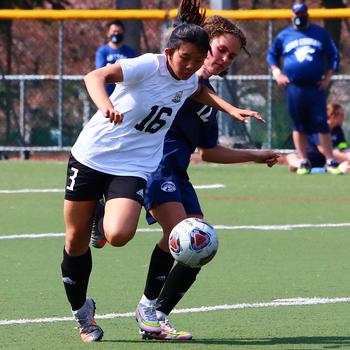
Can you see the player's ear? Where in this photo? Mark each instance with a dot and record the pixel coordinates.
(168, 52)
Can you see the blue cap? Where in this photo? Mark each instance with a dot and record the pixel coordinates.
(299, 8)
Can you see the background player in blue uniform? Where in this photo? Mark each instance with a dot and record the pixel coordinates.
(114, 50)
(170, 196)
(304, 48)
(315, 153)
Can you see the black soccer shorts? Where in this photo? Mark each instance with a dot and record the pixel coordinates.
(84, 183)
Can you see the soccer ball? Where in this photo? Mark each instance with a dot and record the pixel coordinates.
(193, 242)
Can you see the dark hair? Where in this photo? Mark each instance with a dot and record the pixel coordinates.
(189, 33)
(115, 22)
(187, 27)
(218, 25)
(189, 12)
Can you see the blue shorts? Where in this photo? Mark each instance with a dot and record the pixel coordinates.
(165, 186)
(307, 107)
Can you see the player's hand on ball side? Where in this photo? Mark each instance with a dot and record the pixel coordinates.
(113, 115)
(242, 114)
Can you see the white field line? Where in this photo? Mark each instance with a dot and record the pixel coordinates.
(274, 303)
(32, 190)
(218, 227)
(47, 190)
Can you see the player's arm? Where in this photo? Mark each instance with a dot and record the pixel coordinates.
(326, 79)
(207, 97)
(95, 82)
(225, 155)
(273, 60)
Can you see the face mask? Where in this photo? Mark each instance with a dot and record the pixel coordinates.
(116, 38)
(300, 21)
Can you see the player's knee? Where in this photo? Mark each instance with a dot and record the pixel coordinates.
(119, 238)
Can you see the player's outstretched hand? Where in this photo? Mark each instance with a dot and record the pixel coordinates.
(242, 114)
(113, 115)
(270, 158)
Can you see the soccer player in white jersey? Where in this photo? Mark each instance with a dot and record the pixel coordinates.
(121, 146)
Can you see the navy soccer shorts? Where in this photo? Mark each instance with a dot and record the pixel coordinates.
(84, 183)
(306, 105)
(170, 188)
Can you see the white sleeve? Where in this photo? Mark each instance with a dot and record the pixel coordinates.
(138, 68)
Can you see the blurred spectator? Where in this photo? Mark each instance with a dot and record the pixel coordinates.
(315, 152)
(305, 48)
(114, 50)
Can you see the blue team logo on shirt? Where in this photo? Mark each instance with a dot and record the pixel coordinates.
(168, 186)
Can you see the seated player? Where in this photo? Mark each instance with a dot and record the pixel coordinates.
(315, 154)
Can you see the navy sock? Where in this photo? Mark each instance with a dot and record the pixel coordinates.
(179, 281)
(159, 267)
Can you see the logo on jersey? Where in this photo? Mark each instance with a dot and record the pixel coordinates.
(140, 192)
(168, 186)
(304, 53)
(177, 97)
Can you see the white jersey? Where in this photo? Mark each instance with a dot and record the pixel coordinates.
(149, 98)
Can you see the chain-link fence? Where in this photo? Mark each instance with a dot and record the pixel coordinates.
(44, 103)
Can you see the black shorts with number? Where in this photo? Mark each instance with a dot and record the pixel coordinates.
(84, 183)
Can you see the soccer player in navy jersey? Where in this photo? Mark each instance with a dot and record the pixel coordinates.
(114, 50)
(305, 47)
(170, 196)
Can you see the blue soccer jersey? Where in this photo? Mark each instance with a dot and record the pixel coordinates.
(195, 125)
(303, 53)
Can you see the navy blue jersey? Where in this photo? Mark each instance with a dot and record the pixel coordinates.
(195, 125)
(106, 55)
(314, 155)
(304, 53)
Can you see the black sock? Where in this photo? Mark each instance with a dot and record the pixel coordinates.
(179, 281)
(159, 267)
(75, 275)
(100, 226)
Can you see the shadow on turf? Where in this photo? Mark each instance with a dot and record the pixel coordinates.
(327, 342)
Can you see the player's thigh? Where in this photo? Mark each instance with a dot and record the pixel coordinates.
(124, 200)
(120, 220)
(78, 219)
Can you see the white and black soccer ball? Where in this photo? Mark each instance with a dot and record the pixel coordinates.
(193, 242)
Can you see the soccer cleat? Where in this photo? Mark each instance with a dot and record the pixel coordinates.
(333, 168)
(304, 168)
(168, 332)
(146, 318)
(98, 239)
(89, 330)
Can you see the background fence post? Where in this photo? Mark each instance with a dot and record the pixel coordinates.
(60, 80)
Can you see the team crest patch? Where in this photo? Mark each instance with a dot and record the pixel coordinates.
(177, 97)
(168, 186)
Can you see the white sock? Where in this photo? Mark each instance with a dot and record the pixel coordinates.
(144, 300)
